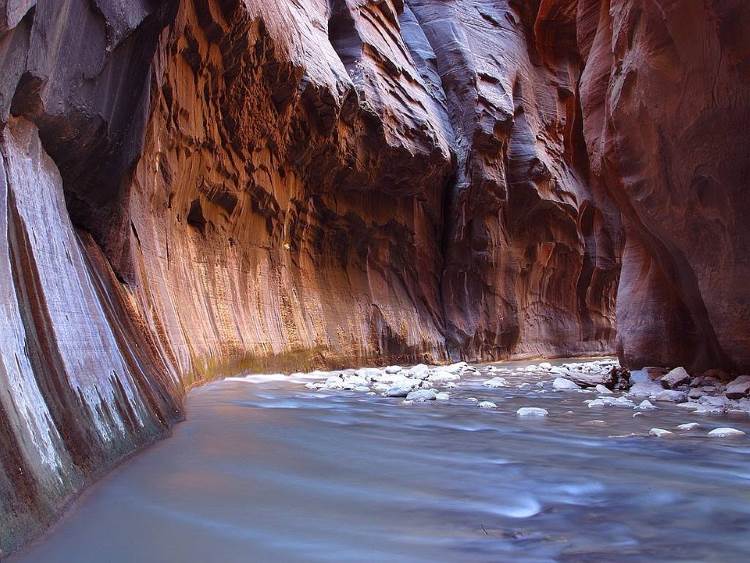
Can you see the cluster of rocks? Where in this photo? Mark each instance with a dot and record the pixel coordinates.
(705, 394)
(421, 383)
(640, 390)
(417, 383)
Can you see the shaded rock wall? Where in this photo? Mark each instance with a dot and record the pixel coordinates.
(208, 186)
(666, 98)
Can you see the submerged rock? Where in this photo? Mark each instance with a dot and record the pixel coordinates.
(496, 382)
(531, 411)
(659, 432)
(688, 426)
(726, 433)
(610, 402)
(487, 405)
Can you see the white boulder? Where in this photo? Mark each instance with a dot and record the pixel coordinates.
(531, 411)
(562, 384)
(646, 405)
(726, 433)
(422, 395)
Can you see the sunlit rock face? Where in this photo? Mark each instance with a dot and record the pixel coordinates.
(531, 245)
(194, 188)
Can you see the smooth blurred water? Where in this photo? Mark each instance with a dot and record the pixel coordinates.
(273, 472)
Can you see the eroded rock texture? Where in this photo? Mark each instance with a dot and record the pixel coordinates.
(531, 250)
(666, 98)
(202, 187)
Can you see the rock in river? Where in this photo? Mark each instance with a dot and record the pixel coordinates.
(562, 384)
(739, 387)
(531, 411)
(496, 382)
(726, 433)
(422, 395)
(677, 376)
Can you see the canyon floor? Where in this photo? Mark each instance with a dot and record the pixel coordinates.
(326, 467)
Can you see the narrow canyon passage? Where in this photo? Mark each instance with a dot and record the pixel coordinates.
(264, 469)
(198, 189)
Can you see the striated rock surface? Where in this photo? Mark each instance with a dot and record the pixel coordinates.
(204, 187)
(531, 249)
(666, 98)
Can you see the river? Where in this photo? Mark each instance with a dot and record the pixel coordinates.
(267, 470)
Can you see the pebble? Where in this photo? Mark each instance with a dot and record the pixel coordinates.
(659, 432)
(531, 411)
(725, 433)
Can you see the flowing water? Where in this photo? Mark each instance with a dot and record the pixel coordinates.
(271, 471)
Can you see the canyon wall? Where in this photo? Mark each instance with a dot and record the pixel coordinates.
(203, 187)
